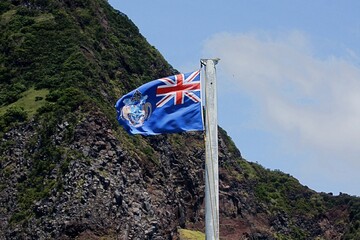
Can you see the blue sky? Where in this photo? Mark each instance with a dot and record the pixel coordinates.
(288, 78)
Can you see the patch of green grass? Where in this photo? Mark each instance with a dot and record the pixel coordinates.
(19, 216)
(249, 171)
(6, 17)
(44, 17)
(185, 234)
(280, 236)
(30, 101)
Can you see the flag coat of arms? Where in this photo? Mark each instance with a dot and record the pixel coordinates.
(166, 105)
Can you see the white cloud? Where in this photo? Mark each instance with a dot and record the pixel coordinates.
(311, 100)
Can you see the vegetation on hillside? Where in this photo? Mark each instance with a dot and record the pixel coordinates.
(58, 59)
(54, 45)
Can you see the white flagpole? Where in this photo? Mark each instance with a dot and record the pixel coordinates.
(211, 148)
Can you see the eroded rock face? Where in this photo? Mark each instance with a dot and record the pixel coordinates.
(100, 186)
(97, 183)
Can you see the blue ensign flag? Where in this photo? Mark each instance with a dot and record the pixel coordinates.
(167, 105)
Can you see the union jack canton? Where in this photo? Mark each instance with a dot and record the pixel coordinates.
(178, 87)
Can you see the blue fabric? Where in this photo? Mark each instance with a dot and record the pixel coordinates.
(166, 105)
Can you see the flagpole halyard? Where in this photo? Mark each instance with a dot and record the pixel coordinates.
(211, 149)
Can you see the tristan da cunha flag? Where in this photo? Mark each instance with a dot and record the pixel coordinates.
(166, 105)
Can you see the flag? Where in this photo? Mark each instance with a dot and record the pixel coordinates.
(166, 105)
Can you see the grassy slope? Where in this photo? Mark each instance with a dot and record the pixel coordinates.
(31, 100)
(185, 234)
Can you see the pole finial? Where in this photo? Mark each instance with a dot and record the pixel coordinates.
(203, 61)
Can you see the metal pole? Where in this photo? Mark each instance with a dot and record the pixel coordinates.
(211, 148)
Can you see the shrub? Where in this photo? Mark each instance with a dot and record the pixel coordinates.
(14, 115)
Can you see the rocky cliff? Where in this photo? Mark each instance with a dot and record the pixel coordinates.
(68, 171)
